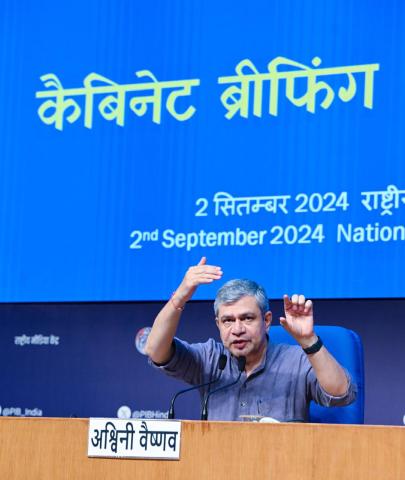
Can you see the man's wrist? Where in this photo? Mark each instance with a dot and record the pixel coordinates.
(177, 303)
(314, 348)
(308, 341)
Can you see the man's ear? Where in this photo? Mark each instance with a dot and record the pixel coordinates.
(216, 321)
(268, 317)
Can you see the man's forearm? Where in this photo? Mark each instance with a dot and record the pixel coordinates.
(159, 343)
(329, 373)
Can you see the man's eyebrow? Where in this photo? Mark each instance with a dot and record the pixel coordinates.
(243, 314)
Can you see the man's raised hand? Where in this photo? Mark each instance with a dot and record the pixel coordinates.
(299, 319)
(195, 276)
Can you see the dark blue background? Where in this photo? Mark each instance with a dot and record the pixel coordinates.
(96, 368)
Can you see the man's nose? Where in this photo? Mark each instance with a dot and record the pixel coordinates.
(238, 327)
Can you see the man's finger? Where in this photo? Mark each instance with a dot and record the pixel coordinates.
(308, 306)
(206, 280)
(214, 276)
(294, 299)
(287, 302)
(201, 269)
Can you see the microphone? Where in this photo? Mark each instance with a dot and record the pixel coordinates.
(221, 365)
(241, 367)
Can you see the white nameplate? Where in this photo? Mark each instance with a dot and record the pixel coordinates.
(112, 437)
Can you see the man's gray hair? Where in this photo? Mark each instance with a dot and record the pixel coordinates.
(234, 290)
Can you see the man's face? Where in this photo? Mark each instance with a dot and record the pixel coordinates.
(243, 328)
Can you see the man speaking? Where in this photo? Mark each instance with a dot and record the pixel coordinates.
(277, 380)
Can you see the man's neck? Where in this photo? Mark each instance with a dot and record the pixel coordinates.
(253, 362)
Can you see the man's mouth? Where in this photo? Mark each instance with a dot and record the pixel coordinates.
(239, 344)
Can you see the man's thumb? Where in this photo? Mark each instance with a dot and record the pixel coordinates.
(203, 261)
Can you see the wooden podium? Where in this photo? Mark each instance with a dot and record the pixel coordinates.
(56, 448)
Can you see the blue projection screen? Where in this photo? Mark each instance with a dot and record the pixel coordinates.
(137, 137)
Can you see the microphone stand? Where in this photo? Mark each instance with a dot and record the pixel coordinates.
(241, 368)
(221, 365)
